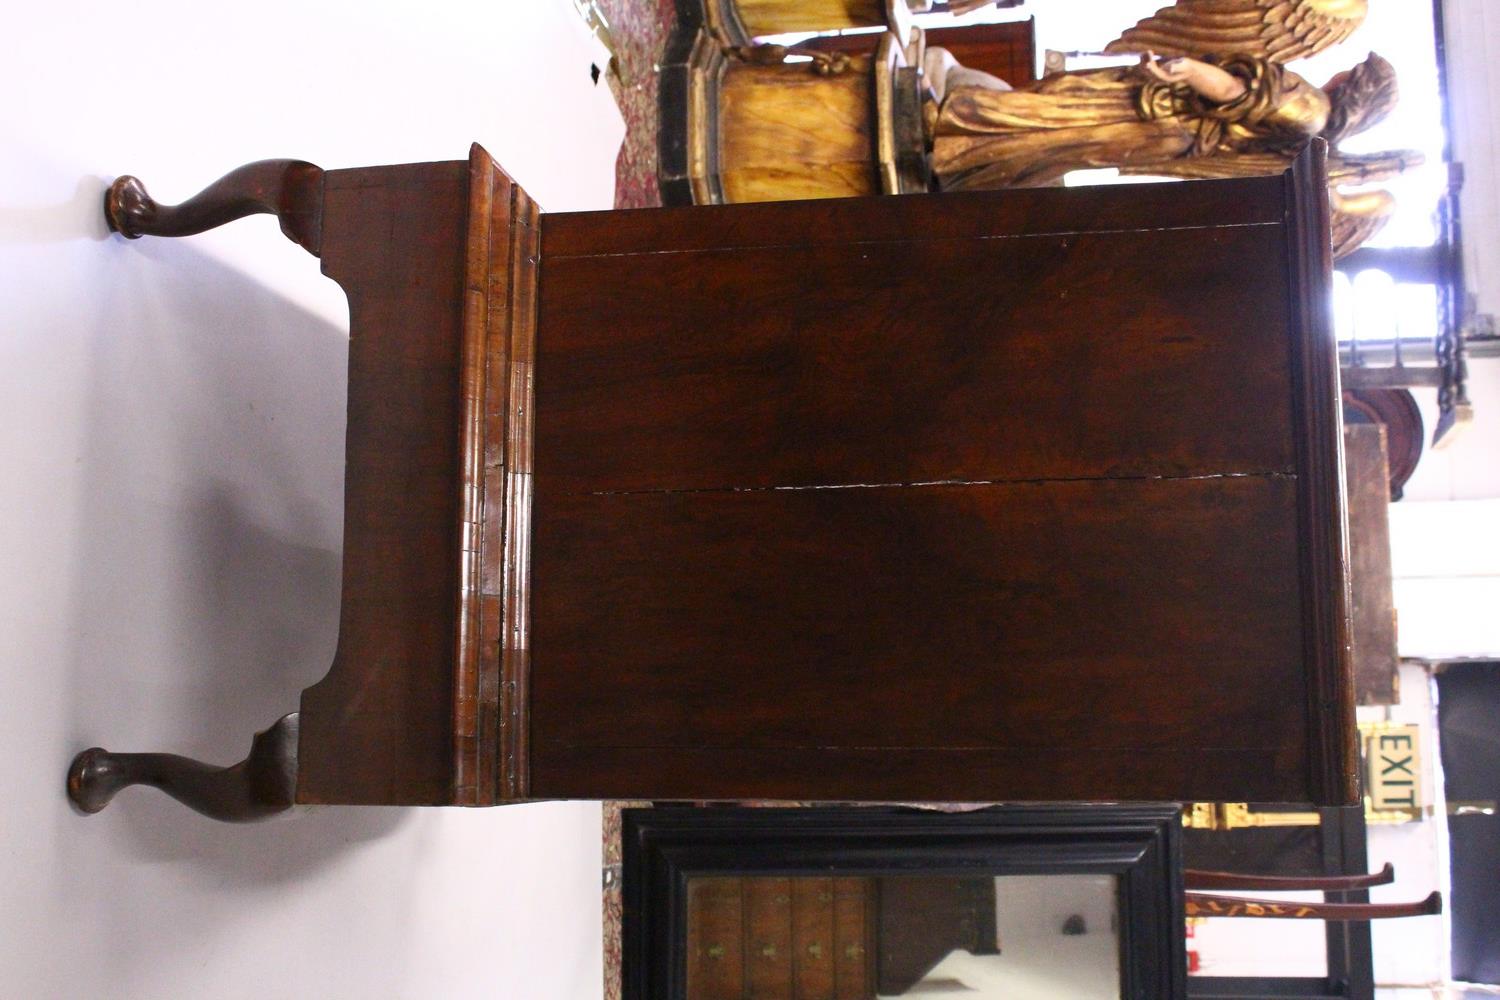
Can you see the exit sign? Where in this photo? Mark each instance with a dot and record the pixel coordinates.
(1394, 758)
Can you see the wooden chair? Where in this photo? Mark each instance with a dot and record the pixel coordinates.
(1201, 904)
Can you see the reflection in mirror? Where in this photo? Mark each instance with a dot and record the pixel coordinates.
(1017, 937)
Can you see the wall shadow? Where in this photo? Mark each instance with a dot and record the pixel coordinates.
(207, 547)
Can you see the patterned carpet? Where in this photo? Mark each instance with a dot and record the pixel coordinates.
(639, 29)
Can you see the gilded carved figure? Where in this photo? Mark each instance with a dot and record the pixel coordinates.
(1210, 97)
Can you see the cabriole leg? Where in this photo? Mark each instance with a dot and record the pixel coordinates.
(291, 190)
(261, 785)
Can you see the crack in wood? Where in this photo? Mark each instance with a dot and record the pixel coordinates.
(1268, 474)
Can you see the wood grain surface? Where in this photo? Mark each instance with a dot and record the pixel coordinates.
(1008, 622)
(914, 361)
(379, 726)
(962, 497)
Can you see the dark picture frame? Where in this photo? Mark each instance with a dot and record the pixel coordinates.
(1138, 844)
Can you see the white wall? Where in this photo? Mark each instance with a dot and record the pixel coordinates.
(172, 438)
(1473, 35)
(1468, 467)
(1445, 559)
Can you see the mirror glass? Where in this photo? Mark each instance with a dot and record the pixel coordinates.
(1014, 937)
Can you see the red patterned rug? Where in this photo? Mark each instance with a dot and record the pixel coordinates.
(639, 29)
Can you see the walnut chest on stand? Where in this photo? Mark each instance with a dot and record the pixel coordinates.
(1028, 495)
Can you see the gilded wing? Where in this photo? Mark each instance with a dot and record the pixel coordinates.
(1344, 169)
(1278, 30)
(1357, 217)
(1201, 168)
(1354, 169)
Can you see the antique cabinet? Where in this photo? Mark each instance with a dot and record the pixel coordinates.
(1027, 495)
